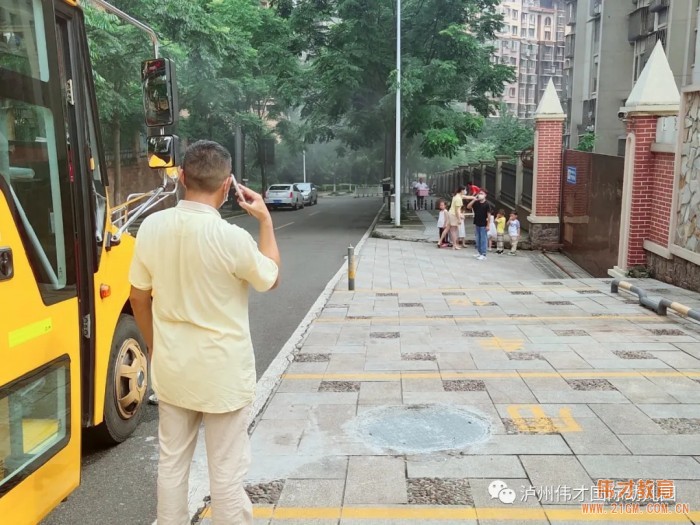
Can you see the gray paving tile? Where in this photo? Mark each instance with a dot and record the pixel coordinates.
(520, 444)
(555, 471)
(380, 393)
(268, 468)
(312, 493)
(640, 390)
(277, 438)
(626, 419)
(376, 480)
(668, 445)
(640, 467)
(658, 411)
(509, 390)
(594, 436)
(495, 467)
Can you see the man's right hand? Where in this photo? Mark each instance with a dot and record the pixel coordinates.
(253, 203)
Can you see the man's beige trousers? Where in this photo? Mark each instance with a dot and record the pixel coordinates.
(228, 458)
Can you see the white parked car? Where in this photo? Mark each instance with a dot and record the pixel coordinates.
(284, 195)
(309, 192)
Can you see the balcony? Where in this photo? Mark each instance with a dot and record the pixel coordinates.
(640, 24)
(569, 46)
(658, 5)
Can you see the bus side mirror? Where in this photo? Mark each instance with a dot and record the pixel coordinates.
(159, 92)
(163, 151)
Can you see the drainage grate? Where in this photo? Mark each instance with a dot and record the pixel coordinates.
(384, 335)
(410, 305)
(358, 317)
(679, 425)
(312, 358)
(560, 303)
(449, 294)
(667, 331)
(439, 491)
(626, 354)
(387, 294)
(440, 316)
(591, 384)
(521, 293)
(525, 356)
(520, 316)
(477, 333)
(333, 305)
(413, 429)
(463, 385)
(339, 386)
(570, 333)
(419, 356)
(265, 493)
(552, 283)
(589, 292)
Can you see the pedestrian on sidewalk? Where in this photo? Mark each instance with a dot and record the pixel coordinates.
(456, 216)
(491, 232)
(443, 224)
(500, 230)
(472, 189)
(461, 230)
(481, 211)
(422, 190)
(189, 292)
(513, 232)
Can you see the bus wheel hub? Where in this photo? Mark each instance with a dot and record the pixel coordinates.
(130, 380)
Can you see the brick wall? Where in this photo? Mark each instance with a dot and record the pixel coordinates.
(661, 200)
(643, 195)
(548, 192)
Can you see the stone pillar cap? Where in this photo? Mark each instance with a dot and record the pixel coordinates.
(655, 92)
(549, 107)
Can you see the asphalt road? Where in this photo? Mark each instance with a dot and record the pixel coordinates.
(118, 484)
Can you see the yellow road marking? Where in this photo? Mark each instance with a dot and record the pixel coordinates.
(29, 332)
(485, 318)
(497, 343)
(481, 374)
(422, 513)
(460, 302)
(540, 423)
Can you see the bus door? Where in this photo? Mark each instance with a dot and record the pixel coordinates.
(40, 319)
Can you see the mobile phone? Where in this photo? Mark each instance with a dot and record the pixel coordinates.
(235, 185)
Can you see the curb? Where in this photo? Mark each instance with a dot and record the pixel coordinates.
(267, 384)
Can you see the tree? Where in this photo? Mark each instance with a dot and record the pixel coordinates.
(447, 68)
(507, 133)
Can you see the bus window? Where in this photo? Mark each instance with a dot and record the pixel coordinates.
(34, 421)
(23, 44)
(33, 161)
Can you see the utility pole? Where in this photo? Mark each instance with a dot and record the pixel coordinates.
(397, 167)
(238, 154)
(303, 159)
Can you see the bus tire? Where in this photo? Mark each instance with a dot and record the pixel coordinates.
(127, 383)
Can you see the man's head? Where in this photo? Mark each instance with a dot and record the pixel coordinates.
(421, 180)
(206, 167)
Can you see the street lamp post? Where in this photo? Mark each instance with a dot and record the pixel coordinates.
(397, 167)
(303, 158)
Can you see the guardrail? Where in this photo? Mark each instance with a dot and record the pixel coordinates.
(658, 305)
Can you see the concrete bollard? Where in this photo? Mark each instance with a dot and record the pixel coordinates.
(351, 268)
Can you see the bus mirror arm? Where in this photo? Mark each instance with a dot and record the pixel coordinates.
(127, 218)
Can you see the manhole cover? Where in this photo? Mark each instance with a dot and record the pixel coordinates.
(421, 428)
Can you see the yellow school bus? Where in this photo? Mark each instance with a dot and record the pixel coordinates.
(71, 356)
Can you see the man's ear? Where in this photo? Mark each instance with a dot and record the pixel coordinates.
(182, 178)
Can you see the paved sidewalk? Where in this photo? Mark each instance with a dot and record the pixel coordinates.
(447, 390)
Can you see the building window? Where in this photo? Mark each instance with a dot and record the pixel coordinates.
(531, 32)
(511, 92)
(514, 45)
(523, 32)
(532, 19)
(524, 18)
(547, 35)
(548, 22)
(512, 61)
(515, 14)
(514, 30)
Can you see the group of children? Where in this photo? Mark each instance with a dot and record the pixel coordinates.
(496, 230)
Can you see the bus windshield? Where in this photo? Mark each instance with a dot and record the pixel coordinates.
(23, 39)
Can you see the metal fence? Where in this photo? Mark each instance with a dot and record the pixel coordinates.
(526, 198)
(491, 179)
(508, 175)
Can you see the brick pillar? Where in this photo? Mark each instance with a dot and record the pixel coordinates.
(546, 191)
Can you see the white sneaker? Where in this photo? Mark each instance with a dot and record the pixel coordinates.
(481, 258)
(477, 255)
(153, 399)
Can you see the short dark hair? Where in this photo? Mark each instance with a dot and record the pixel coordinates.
(206, 165)
(514, 213)
(501, 211)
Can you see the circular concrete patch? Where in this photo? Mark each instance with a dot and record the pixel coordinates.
(421, 428)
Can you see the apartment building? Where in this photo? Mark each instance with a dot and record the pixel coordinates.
(608, 43)
(531, 40)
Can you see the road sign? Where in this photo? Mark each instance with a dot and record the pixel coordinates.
(571, 174)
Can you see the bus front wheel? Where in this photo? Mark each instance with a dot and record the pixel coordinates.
(127, 383)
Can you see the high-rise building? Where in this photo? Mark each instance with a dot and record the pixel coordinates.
(608, 43)
(531, 40)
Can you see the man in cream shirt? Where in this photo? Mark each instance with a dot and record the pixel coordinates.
(190, 276)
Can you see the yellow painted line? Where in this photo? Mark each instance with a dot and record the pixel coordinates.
(485, 318)
(29, 332)
(478, 374)
(540, 423)
(422, 513)
(497, 343)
